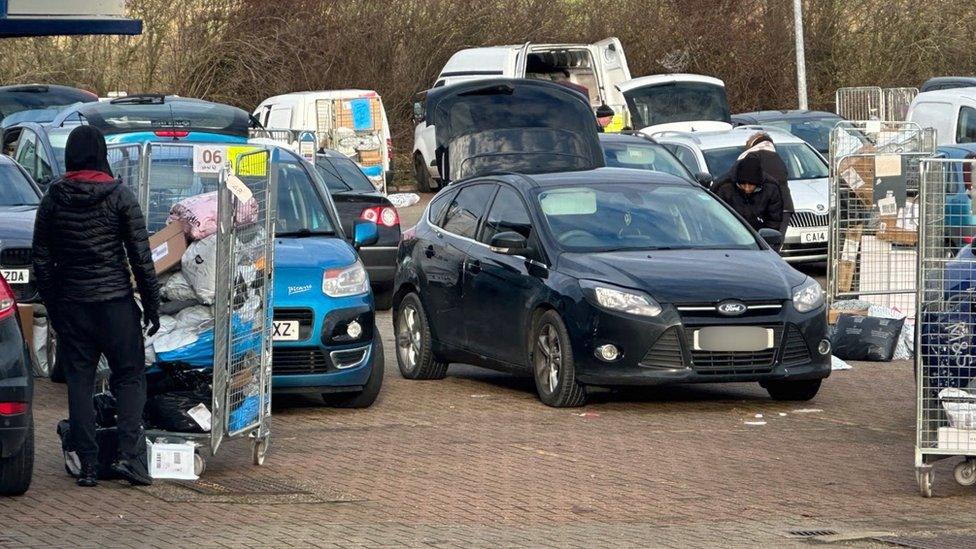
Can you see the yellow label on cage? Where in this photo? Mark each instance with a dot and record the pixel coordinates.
(250, 164)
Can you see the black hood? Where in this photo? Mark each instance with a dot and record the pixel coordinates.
(86, 150)
(80, 192)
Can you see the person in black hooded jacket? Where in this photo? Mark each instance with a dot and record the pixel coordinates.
(90, 239)
(751, 193)
(760, 144)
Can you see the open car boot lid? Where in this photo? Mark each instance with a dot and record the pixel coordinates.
(512, 125)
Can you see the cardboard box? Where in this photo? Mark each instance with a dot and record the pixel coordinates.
(847, 266)
(370, 158)
(346, 118)
(26, 313)
(857, 173)
(901, 228)
(168, 246)
(171, 461)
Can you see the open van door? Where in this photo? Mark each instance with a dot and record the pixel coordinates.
(512, 125)
(610, 53)
(677, 102)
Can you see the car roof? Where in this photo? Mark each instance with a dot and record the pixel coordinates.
(785, 114)
(736, 137)
(584, 177)
(943, 80)
(951, 95)
(324, 94)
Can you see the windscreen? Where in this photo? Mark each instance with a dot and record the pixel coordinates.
(301, 210)
(644, 156)
(169, 115)
(30, 97)
(801, 161)
(624, 217)
(15, 189)
(342, 175)
(677, 102)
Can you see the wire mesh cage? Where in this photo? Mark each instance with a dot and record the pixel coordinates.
(896, 102)
(860, 103)
(946, 362)
(874, 180)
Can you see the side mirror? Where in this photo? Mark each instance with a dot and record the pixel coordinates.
(772, 237)
(364, 233)
(509, 243)
(704, 179)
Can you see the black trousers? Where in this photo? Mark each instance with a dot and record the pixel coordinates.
(85, 332)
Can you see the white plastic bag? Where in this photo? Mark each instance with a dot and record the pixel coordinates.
(176, 288)
(403, 200)
(200, 268)
(183, 329)
(960, 406)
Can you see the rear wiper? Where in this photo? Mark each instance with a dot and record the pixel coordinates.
(306, 232)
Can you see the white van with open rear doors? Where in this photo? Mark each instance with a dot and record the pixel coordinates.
(349, 121)
(593, 69)
(951, 112)
(677, 102)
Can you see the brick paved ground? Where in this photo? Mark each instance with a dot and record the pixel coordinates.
(476, 460)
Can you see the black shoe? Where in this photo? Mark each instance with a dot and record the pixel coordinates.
(133, 470)
(88, 477)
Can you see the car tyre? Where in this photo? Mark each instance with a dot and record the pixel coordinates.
(366, 397)
(414, 343)
(425, 183)
(17, 470)
(793, 390)
(552, 363)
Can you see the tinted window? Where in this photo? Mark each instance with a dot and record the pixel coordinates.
(465, 210)
(801, 162)
(132, 116)
(507, 213)
(677, 102)
(644, 156)
(38, 97)
(45, 173)
(15, 189)
(58, 138)
(300, 208)
(435, 215)
(27, 152)
(815, 131)
(342, 174)
(641, 217)
(966, 129)
(686, 156)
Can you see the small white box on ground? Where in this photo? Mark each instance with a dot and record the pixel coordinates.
(963, 440)
(171, 461)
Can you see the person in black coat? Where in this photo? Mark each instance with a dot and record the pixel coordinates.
(90, 239)
(751, 193)
(760, 144)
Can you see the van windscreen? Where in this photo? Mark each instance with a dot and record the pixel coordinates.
(677, 102)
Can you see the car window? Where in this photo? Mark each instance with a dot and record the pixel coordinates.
(507, 213)
(39, 97)
(27, 152)
(342, 174)
(45, 173)
(300, 208)
(685, 155)
(280, 117)
(677, 102)
(132, 114)
(435, 213)
(465, 210)
(621, 217)
(15, 189)
(801, 161)
(644, 156)
(966, 128)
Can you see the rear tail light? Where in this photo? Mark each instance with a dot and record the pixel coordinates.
(7, 302)
(12, 408)
(389, 148)
(172, 134)
(381, 215)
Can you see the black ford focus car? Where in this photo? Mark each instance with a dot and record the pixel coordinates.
(600, 276)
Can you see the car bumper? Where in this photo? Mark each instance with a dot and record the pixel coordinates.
(325, 359)
(660, 350)
(380, 262)
(794, 251)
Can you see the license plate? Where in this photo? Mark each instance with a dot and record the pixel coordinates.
(813, 237)
(285, 330)
(733, 339)
(16, 276)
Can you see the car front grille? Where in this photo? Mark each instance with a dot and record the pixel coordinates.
(666, 352)
(20, 258)
(705, 310)
(803, 220)
(795, 350)
(296, 361)
(305, 318)
(735, 362)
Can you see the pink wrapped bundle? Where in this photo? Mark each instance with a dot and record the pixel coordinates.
(198, 215)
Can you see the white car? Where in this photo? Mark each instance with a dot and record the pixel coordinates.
(715, 152)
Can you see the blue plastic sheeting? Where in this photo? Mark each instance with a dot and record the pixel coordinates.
(362, 114)
(200, 353)
(372, 171)
(245, 414)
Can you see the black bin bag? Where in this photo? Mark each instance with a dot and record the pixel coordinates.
(168, 411)
(866, 338)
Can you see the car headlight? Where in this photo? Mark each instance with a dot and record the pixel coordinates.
(345, 281)
(621, 299)
(808, 296)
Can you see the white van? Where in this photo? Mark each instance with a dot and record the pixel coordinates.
(951, 112)
(350, 121)
(594, 69)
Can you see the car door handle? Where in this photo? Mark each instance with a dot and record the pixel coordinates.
(429, 252)
(473, 266)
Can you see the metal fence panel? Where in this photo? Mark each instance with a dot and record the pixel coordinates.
(896, 102)
(946, 358)
(860, 103)
(874, 182)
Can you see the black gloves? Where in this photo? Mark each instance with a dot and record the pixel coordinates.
(151, 322)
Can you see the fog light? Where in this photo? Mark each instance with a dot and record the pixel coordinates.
(824, 347)
(354, 330)
(607, 352)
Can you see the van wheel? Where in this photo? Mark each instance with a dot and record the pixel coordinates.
(366, 397)
(414, 344)
(16, 471)
(425, 183)
(552, 364)
(793, 390)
